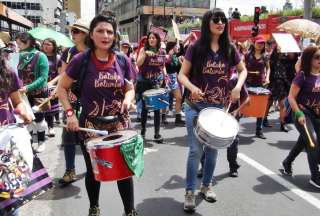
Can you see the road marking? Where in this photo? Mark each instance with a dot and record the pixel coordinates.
(304, 195)
(149, 150)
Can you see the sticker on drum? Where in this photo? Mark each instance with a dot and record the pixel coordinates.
(216, 128)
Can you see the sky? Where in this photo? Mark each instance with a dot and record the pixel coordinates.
(88, 9)
(246, 7)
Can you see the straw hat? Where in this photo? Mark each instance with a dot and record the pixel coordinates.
(81, 24)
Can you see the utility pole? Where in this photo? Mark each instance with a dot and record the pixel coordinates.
(307, 9)
(215, 3)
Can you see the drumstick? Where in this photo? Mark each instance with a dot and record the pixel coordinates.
(45, 101)
(312, 145)
(89, 130)
(229, 106)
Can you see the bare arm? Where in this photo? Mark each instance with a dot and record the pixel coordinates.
(17, 103)
(242, 70)
(294, 91)
(141, 57)
(62, 90)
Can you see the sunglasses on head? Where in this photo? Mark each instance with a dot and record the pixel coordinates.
(75, 31)
(216, 20)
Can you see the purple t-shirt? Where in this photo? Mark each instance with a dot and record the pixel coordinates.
(152, 67)
(68, 54)
(215, 75)
(256, 70)
(6, 115)
(53, 67)
(309, 94)
(103, 89)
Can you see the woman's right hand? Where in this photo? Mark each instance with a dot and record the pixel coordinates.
(196, 93)
(72, 123)
(302, 120)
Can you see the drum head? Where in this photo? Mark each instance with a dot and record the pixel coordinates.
(218, 123)
(111, 140)
(258, 91)
(152, 92)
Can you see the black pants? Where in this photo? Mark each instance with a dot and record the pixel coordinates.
(313, 154)
(125, 186)
(140, 88)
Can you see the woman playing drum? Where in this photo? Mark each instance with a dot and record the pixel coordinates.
(304, 98)
(151, 76)
(258, 67)
(205, 73)
(107, 91)
(9, 93)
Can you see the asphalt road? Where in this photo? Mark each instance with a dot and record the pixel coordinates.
(260, 189)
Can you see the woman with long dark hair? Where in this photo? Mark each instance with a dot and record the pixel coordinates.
(257, 63)
(152, 73)
(33, 70)
(205, 73)
(107, 90)
(304, 98)
(50, 48)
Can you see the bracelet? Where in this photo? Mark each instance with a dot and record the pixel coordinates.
(298, 114)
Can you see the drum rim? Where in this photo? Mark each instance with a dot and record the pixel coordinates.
(213, 146)
(104, 145)
(163, 91)
(221, 138)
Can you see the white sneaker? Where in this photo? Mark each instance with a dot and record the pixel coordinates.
(208, 193)
(189, 202)
(51, 132)
(41, 147)
(182, 114)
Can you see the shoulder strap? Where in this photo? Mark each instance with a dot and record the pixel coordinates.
(83, 70)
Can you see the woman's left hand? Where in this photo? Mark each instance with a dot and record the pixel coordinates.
(126, 104)
(235, 94)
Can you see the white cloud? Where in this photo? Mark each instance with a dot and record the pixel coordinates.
(247, 6)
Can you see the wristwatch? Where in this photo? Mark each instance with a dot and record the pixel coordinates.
(69, 112)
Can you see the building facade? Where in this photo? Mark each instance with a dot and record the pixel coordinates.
(73, 6)
(39, 12)
(12, 23)
(136, 16)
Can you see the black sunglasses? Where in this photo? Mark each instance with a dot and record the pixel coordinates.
(216, 20)
(75, 31)
(316, 57)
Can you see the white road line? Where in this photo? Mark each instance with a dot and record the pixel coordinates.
(304, 195)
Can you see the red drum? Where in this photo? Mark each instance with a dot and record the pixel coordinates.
(107, 161)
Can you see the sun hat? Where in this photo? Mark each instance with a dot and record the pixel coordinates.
(81, 24)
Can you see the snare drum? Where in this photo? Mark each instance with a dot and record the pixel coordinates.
(156, 99)
(258, 103)
(216, 128)
(107, 161)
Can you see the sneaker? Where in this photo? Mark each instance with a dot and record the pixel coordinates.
(179, 121)
(158, 138)
(94, 211)
(233, 173)
(315, 182)
(287, 168)
(51, 132)
(41, 147)
(133, 213)
(260, 135)
(208, 193)
(189, 202)
(58, 122)
(68, 177)
(182, 114)
(164, 119)
(284, 128)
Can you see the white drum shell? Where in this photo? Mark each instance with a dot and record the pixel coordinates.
(212, 138)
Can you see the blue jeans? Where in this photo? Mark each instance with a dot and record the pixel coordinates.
(196, 150)
(15, 213)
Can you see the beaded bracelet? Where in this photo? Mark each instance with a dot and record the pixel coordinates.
(298, 114)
